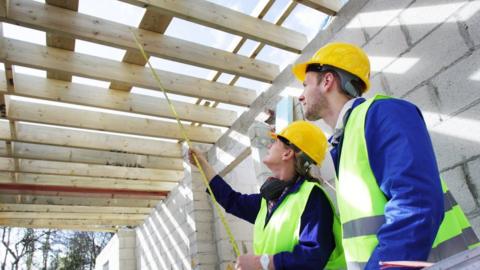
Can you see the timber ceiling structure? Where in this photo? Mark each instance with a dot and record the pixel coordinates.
(82, 157)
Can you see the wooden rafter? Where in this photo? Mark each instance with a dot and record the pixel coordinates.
(54, 20)
(21, 110)
(91, 170)
(60, 41)
(329, 7)
(74, 200)
(70, 224)
(37, 56)
(80, 94)
(54, 135)
(151, 21)
(9, 207)
(87, 156)
(228, 20)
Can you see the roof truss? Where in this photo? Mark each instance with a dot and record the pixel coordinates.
(118, 149)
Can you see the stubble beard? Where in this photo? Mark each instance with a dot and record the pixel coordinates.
(315, 111)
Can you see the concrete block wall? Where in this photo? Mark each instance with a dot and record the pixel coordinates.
(119, 253)
(179, 233)
(242, 179)
(427, 52)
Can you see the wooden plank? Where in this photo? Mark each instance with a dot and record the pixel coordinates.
(4, 7)
(50, 114)
(69, 223)
(37, 56)
(5, 129)
(87, 216)
(11, 207)
(3, 149)
(92, 170)
(7, 164)
(60, 41)
(61, 224)
(87, 182)
(76, 155)
(36, 87)
(73, 200)
(329, 7)
(228, 20)
(78, 192)
(54, 135)
(152, 21)
(73, 24)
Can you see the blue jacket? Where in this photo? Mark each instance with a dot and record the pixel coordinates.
(403, 161)
(316, 241)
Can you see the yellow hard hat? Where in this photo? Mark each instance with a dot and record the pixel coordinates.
(307, 137)
(345, 56)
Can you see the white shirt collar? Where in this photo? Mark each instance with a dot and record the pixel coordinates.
(338, 131)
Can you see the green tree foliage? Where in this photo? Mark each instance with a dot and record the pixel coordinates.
(50, 249)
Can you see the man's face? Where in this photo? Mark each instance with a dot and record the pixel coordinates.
(312, 99)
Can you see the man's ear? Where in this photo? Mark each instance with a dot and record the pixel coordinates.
(288, 154)
(328, 81)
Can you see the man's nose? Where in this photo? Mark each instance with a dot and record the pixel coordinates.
(301, 98)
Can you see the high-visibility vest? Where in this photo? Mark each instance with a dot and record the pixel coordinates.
(361, 202)
(283, 229)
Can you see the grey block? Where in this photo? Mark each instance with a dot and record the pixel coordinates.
(455, 180)
(424, 15)
(456, 139)
(376, 14)
(455, 87)
(436, 52)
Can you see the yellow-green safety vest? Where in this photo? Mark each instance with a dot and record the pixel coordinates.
(282, 230)
(361, 202)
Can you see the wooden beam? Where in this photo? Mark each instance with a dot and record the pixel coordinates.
(74, 200)
(228, 20)
(65, 116)
(4, 8)
(31, 86)
(60, 41)
(329, 7)
(73, 192)
(76, 155)
(87, 182)
(7, 164)
(73, 24)
(37, 56)
(70, 222)
(91, 170)
(12, 207)
(86, 216)
(61, 224)
(82, 138)
(152, 21)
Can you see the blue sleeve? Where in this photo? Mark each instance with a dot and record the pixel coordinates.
(240, 205)
(316, 241)
(403, 161)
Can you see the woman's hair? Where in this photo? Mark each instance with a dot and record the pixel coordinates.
(303, 164)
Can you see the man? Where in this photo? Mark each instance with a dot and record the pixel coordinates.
(392, 203)
(295, 226)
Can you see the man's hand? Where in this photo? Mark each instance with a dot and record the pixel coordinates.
(251, 262)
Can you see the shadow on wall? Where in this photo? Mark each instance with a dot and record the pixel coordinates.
(163, 239)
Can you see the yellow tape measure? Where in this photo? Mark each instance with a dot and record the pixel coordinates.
(187, 140)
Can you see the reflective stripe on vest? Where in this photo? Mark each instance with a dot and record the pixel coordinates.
(281, 233)
(362, 204)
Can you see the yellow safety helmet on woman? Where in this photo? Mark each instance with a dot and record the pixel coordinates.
(307, 137)
(343, 56)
